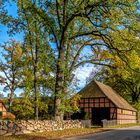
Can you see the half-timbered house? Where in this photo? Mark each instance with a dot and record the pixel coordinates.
(103, 103)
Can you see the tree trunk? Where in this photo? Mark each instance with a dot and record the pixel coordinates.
(58, 112)
(36, 95)
(35, 66)
(10, 103)
(35, 80)
(11, 95)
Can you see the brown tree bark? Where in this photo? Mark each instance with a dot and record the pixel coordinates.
(59, 85)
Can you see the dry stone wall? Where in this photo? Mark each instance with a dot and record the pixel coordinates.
(23, 127)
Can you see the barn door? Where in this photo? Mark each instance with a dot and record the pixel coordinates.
(99, 114)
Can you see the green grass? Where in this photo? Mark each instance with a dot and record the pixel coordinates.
(96, 126)
(123, 125)
(53, 134)
(63, 133)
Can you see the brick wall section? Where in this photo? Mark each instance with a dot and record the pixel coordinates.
(126, 116)
(89, 103)
(121, 115)
(23, 127)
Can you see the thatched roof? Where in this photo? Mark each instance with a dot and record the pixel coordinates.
(109, 93)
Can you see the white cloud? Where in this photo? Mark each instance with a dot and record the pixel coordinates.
(82, 73)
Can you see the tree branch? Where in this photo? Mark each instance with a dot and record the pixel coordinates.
(58, 14)
(85, 34)
(92, 62)
(78, 53)
(49, 25)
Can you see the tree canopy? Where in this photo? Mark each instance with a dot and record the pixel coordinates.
(79, 32)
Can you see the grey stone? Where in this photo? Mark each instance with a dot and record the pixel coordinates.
(8, 134)
(19, 133)
(30, 128)
(2, 132)
(26, 131)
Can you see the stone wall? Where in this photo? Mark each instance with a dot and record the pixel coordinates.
(23, 127)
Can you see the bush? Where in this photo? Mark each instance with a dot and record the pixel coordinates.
(87, 116)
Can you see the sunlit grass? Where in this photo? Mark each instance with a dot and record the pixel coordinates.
(123, 125)
(62, 133)
(53, 134)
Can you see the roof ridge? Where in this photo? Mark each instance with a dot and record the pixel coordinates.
(122, 103)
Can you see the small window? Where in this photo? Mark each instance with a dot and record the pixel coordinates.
(121, 111)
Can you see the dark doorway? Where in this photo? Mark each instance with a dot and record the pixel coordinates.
(79, 115)
(99, 114)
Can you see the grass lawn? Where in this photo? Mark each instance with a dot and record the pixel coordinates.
(62, 133)
(123, 125)
(53, 134)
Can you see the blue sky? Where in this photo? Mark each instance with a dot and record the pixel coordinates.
(12, 10)
(3, 34)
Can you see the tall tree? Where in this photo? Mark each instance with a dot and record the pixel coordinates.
(76, 26)
(10, 65)
(36, 67)
(88, 24)
(125, 75)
